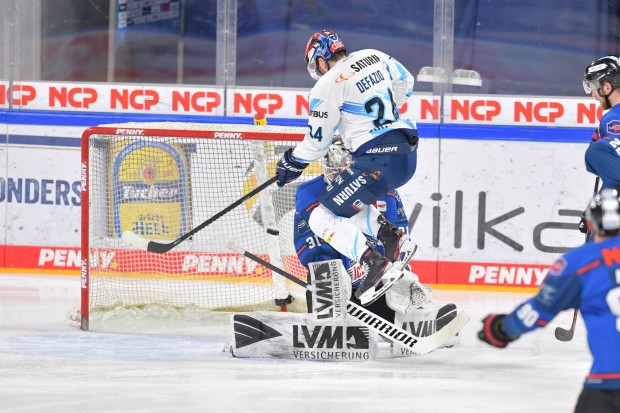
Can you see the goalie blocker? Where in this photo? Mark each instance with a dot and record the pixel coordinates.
(336, 330)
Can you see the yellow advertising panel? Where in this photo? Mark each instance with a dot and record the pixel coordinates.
(150, 193)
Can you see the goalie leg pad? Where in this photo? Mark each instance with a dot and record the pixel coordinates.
(446, 314)
(331, 287)
(424, 321)
(266, 334)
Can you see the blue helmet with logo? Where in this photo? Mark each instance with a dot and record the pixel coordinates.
(322, 44)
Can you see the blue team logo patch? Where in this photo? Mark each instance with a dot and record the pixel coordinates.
(613, 127)
(558, 267)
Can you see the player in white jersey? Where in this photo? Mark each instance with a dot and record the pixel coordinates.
(358, 95)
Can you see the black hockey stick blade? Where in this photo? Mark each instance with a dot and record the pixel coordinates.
(153, 246)
(567, 335)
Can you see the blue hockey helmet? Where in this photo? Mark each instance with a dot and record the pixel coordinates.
(322, 44)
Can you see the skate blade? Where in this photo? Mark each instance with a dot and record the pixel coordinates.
(389, 279)
(363, 289)
(406, 255)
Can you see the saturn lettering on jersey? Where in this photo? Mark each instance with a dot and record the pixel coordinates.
(369, 81)
(349, 190)
(365, 62)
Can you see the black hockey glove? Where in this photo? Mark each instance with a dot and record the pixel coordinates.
(583, 225)
(493, 333)
(289, 169)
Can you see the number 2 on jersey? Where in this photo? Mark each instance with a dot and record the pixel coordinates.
(379, 103)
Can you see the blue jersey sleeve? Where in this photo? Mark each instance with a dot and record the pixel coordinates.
(603, 159)
(603, 154)
(392, 207)
(561, 290)
(587, 278)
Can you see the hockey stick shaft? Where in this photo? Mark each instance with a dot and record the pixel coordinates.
(158, 247)
(234, 247)
(563, 334)
(417, 345)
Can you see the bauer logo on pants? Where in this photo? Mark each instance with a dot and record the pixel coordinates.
(150, 189)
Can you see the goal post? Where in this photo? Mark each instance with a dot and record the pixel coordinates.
(160, 180)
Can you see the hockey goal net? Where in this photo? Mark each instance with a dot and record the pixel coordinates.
(160, 180)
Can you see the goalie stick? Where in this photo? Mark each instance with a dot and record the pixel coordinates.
(144, 244)
(417, 345)
(563, 334)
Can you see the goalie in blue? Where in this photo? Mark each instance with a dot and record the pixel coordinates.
(587, 278)
(406, 300)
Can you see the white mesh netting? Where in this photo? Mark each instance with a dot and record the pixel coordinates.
(160, 180)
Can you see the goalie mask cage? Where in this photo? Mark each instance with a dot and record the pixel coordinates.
(160, 180)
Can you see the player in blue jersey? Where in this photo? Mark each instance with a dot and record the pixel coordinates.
(587, 278)
(357, 94)
(601, 81)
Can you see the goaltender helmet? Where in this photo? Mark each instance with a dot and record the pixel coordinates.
(603, 213)
(335, 160)
(322, 44)
(603, 69)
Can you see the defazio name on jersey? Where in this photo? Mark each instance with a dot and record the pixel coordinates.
(369, 81)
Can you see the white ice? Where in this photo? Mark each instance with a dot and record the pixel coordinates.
(48, 366)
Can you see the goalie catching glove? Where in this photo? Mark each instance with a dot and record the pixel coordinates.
(289, 169)
(493, 333)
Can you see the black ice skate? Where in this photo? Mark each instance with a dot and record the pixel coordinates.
(396, 244)
(375, 265)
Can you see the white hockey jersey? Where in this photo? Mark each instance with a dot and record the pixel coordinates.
(359, 97)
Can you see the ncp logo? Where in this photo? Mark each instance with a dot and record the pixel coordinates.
(138, 99)
(20, 95)
(480, 110)
(258, 103)
(72, 97)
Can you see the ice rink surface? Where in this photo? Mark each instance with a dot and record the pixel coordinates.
(48, 366)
